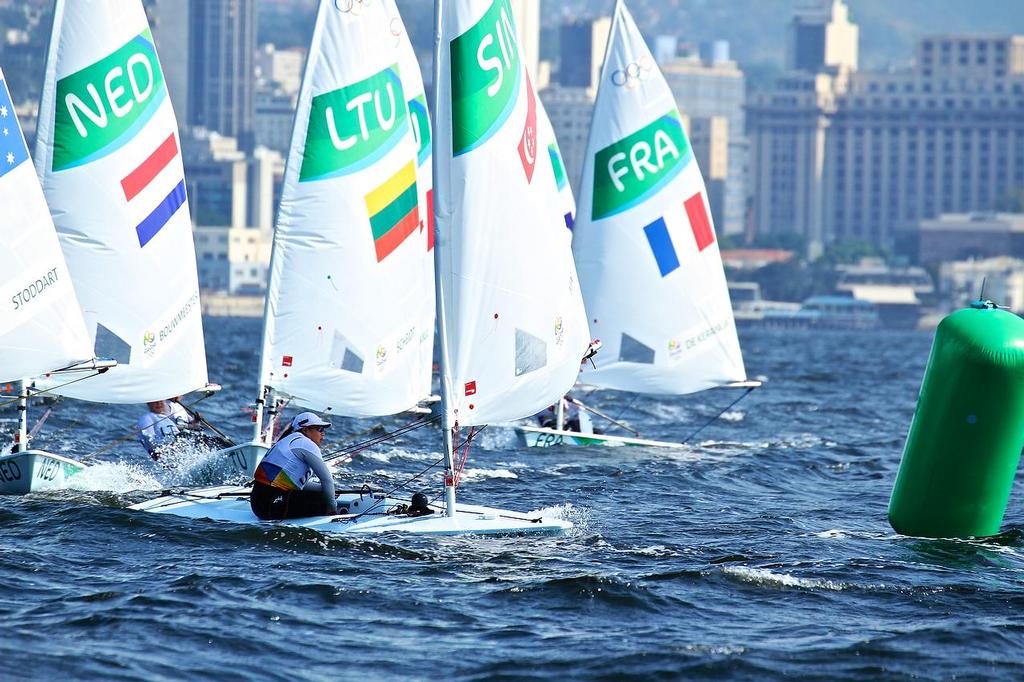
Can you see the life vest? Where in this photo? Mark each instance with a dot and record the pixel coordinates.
(284, 469)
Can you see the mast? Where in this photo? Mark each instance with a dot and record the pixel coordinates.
(441, 186)
(21, 440)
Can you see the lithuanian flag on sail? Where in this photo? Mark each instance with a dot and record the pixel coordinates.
(394, 211)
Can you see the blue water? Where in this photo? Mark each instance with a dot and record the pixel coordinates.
(761, 552)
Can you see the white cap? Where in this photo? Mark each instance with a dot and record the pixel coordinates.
(305, 419)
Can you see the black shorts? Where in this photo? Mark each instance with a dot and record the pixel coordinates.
(270, 503)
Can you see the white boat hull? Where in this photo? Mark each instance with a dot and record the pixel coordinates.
(538, 437)
(33, 470)
(245, 457)
(369, 513)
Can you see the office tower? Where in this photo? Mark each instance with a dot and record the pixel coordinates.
(821, 36)
(527, 15)
(170, 29)
(582, 47)
(221, 47)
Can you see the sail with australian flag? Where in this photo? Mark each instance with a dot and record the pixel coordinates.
(107, 154)
(41, 326)
(644, 239)
(349, 321)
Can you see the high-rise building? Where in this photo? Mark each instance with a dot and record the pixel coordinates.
(527, 16)
(822, 37)
(170, 29)
(570, 110)
(221, 48)
(712, 88)
(870, 155)
(582, 47)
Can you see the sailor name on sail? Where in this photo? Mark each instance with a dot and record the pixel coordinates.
(34, 289)
(506, 44)
(358, 104)
(640, 161)
(138, 69)
(182, 314)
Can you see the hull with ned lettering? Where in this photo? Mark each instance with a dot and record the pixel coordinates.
(34, 470)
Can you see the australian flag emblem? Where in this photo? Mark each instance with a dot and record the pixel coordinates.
(12, 145)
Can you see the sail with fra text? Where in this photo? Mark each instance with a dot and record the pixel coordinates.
(644, 240)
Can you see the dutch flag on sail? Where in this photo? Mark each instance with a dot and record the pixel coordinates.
(145, 175)
(12, 145)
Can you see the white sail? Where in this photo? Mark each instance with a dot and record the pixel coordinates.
(515, 329)
(558, 173)
(349, 322)
(419, 128)
(107, 154)
(41, 327)
(644, 241)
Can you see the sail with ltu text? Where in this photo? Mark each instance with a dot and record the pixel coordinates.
(514, 325)
(644, 239)
(41, 327)
(349, 321)
(107, 154)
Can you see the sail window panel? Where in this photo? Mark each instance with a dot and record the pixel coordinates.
(343, 357)
(110, 345)
(631, 350)
(531, 353)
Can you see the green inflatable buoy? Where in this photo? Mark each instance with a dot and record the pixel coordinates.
(965, 440)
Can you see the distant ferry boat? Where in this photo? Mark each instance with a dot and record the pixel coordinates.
(817, 312)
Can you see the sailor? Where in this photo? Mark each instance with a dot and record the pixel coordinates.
(570, 415)
(282, 487)
(157, 427)
(181, 416)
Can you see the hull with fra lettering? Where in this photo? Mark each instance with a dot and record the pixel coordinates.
(34, 470)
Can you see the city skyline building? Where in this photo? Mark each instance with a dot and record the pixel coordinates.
(222, 52)
(581, 52)
(527, 17)
(839, 154)
(170, 19)
(710, 90)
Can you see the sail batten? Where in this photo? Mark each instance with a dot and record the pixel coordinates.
(349, 318)
(644, 241)
(515, 325)
(108, 157)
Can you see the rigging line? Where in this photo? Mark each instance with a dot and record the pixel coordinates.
(36, 393)
(636, 396)
(358, 447)
(723, 411)
(392, 491)
(599, 413)
(473, 433)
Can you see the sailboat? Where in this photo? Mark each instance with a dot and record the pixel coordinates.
(511, 336)
(645, 246)
(349, 314)
(107, 156)
(41, 329)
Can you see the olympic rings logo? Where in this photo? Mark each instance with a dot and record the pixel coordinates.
(352, 6)
(634, 73)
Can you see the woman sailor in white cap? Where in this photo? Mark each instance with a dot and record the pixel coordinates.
(282, 487)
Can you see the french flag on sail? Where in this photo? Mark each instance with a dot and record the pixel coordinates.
(145, 175)
(660, 241)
